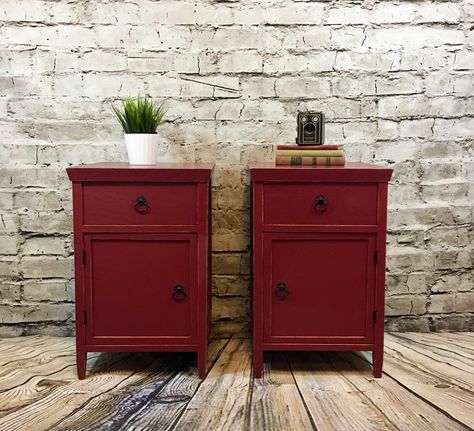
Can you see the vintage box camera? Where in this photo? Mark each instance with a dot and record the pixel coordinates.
(310, 128)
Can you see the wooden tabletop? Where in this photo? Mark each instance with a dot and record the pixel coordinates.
(351, 171)
(117, 171)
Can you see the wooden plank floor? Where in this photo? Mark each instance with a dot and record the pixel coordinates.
(427, 385)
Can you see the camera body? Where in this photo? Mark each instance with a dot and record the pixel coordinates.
(310, 127)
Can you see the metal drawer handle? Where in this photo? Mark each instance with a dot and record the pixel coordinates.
(141, 205)
(281, 291)
(178, 293)
(320, 204)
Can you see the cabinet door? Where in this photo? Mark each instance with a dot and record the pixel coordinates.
(141, 289)
(319, 288)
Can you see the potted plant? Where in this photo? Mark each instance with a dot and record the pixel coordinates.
(139, 119)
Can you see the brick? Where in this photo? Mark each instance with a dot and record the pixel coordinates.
(6, 200)
(8, 222)
(35, 312)
(353, 86)
(456, 281)
(46, 267)
(227, 263)
(44, 222)
(452, 129)
(103, 61)
(425, 59)
(44, 246)
(399, 84)
(464, 60)
(315, 37)
(10, 291)
(417, 283)
(405, 305)
(397, 151)
(441, 304)
(374, 61)
(28, 176)
(347, 15)
(464, 302)
(8, 245)
(446, 12)
(55, 291)
(230, 286)
(230, 308)
(238, 62)
(225, 240)
(408, 258)
(346, 38)
(25, 11)
(255, 87)
(39, 201)
(386, 13)
(302, 87)
(413, 36)
(416, 128)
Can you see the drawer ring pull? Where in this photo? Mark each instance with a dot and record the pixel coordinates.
(281, 291)
(141, 205)
(320, 204)
(178, 293)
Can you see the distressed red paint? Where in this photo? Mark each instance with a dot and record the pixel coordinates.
(142, 258)
(318, 263)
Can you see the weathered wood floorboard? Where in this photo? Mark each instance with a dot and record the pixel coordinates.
(276, 402)
(421, 376)
(162, 411)
(404, 410)
(427, 385)
(64, 400)
(334, 404)
(222, 400)
(463, 347)
(445, 364)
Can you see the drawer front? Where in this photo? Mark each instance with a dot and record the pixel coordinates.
(140, 204)
(320, 203)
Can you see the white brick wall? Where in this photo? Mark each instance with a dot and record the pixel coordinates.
(395, 80)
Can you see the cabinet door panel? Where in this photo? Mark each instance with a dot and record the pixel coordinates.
(319, 288)
(130, 281)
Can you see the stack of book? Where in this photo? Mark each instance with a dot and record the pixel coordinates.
(312, 155)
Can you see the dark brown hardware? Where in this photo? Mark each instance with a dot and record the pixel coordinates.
(178, 293)
(320, 204)
(281, 291)
(141, 205)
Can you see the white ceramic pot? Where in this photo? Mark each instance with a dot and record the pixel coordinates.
(141, 148)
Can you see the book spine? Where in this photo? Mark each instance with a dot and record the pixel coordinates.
(310, 161)
(310, 153)
(309, 147)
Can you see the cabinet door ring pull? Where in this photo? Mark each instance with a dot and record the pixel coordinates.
(141, 205)
(178, 293)
(281, 291)
(320, 204)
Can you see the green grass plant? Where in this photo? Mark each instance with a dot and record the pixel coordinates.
(139, 115)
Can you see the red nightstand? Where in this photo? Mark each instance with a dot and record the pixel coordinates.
(142, 265)
(319, 258)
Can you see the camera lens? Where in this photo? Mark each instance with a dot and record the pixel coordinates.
(309, 129)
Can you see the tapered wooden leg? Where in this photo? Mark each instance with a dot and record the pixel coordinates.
(81, 363)
(202, 362)
(377, 361)
(257, 363)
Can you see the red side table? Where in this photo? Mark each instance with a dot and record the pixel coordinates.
(319, 258)
(142, 258)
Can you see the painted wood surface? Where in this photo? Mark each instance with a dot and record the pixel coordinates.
(427, 385)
